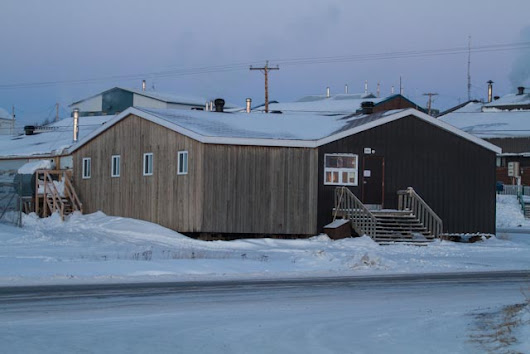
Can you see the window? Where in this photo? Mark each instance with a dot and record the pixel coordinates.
(86, 168)
(182, 163)
(148, 164)
(115, 166)
(340, 169)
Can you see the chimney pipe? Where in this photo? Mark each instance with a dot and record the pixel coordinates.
(346, 89)
(490, 91)
(143, 85)
(392, 90)
(520, 90)
(76, 124)
(207, 106)
(365, 86)
(211, 106)
(327, 92)
(367, 107)
(249, 105)
(378, 89)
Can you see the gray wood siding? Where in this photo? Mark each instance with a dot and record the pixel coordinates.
(171, 200)
(260, 190)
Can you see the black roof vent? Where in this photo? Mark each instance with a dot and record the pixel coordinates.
(29, 129)
(520, 90)
(219, 104)
(367, 107)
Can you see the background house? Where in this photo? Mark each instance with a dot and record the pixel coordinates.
(6, 122)
(345, 103)
(253, 174)
(118, 99)
(504, 122)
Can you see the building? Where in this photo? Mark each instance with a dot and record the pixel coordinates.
(6, 123)
(118, 99)
(49, 142)
(346, 103)
(504, 122)
(241, 175)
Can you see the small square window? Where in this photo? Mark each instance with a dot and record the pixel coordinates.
(115, 166)
(87, 168)
(148, 164)
(182, 163)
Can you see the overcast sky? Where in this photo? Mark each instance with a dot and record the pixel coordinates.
(57, 41)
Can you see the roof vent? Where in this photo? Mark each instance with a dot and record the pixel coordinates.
(219, 104)
(29, 129)
(490, 90)
(496, 97)
(143, 85)
(367, 107)
(327, 92)
(520, 90)
(248, 105)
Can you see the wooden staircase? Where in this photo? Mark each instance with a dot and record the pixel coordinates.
(54, 192)
(413, 222)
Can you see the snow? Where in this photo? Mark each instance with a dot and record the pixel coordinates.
(335, 104)
(29, 168)
(51, 142)
(491, 124)
(511, 99)
(97, 248)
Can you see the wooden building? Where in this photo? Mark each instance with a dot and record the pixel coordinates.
(241, 175)
(504, 122)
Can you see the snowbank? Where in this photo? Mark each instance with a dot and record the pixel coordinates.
(29, 168)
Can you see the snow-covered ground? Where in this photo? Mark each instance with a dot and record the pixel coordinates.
(97, 248)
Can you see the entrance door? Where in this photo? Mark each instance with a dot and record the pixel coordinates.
(373, 180)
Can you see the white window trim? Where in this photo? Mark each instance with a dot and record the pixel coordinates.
(182, 153)
(86, 174)
(342, 169)
(144, 163)
(112, 174)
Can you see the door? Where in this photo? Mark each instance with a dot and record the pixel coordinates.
(373, 180)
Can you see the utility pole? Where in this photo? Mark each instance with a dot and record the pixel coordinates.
(13, 121)
(57, 112)
(469, 69)
(265, 70)
(429, 103)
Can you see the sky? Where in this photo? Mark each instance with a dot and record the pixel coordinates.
(68, 50)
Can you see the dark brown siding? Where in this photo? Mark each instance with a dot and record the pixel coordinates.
(453, 175)
(260, 190)
(397, 102)
(171, 200)
(512, 145)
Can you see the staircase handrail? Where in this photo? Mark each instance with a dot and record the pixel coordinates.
(56, 203)
(355, 210)
(410, 200)
(71, 194)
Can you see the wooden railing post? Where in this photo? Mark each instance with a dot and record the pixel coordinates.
(424, 213)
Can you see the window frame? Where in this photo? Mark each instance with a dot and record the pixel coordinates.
(341, 170)
(180, 169)
(146, 163)
(86, 169)
(118, 165)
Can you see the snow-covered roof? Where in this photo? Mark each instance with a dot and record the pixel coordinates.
(4, 114)
(491, 124)
(511, 99)
(160, 96)
(53, 141)
(321, 104)
(260, 129)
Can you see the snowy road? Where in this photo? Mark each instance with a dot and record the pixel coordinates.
(442, 313)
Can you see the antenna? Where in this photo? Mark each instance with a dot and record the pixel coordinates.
(469, 69)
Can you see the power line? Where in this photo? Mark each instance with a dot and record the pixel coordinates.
(292, 61)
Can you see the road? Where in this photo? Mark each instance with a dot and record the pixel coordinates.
(437, 313)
